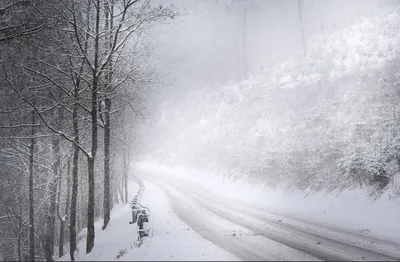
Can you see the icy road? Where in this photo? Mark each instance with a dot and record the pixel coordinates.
(251, 233)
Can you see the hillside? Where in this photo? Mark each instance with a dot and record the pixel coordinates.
(327, 120)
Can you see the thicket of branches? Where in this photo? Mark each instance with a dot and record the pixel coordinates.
(72, 76)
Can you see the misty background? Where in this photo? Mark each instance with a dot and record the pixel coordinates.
(245, 96)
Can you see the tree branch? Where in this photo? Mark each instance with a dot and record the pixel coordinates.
(44, 121)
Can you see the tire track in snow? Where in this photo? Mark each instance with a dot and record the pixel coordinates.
(370, 247)
(246, 245)
(324, 243)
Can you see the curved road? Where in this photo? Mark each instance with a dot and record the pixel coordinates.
(254, 234)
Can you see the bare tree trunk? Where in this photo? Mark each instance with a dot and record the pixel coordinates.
(116, 193)
(82, 205)
(75, 163)
(125, 177)
(107, 138)
(61, 236)
(19, 247)
(49, 250)
(75, 160)
(107, 124)
(120, 188)
(90, 215)
(91, 158)
(112, 192)
(120, 192)
(31, 208)
(20, 225)
(63, 221)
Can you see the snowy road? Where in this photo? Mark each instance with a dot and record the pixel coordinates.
(251, 233)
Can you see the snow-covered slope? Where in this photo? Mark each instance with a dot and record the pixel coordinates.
(372, 42)
(172, 240)
(306, 122)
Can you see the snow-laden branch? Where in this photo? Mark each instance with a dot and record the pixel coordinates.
(82, 48)
(129, 30)
(13, 5)
(71, 139)
(58, 85)
(30, 31)
(20, 125)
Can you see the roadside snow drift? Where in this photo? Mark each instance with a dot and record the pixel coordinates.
(172, 239)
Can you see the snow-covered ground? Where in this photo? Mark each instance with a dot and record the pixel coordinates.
(351, 209)
(172, 239)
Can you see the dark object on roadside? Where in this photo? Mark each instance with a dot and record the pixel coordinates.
(142, 217)
(134, 205)
(134, 215)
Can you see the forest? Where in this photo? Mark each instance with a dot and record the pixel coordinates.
(72, 81)
(315, 108)
(293, 94)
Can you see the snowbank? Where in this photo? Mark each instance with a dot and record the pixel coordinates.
(118, 234)
(172, 239)
(350, 209)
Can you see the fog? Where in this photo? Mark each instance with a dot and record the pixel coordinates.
(205, 45)
(224, 102)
